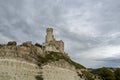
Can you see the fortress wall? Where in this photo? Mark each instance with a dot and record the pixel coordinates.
(12, 69)
(58, 73)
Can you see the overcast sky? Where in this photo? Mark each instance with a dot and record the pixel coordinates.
(90, 29)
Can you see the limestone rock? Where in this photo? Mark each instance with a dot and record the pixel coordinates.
(27, 44)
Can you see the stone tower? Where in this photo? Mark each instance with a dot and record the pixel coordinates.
(51, 44)
(49, 36)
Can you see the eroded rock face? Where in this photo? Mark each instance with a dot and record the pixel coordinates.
(17, 69)
(25, 51)
(58, 72)
(13, 69)
(19, 63)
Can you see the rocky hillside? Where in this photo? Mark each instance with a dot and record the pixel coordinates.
(30, 62)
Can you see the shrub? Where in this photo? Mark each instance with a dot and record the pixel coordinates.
(55, 56)
(12, 43)
(88, 75)
(39, 45)
(117, 74)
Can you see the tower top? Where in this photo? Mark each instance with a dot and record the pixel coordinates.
(49, 36)
(49, 30)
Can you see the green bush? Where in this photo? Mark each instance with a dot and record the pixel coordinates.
(117, 74)
(54, 56)
(39, 45)
(105, 73)
(88, 75)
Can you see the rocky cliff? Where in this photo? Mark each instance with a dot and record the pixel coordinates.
(29, 62)
(39, 62)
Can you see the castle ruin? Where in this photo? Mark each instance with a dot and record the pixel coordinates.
(27, 61)
(51, 44)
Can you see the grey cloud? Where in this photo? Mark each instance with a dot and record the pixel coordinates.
(108, 17)
(109, 60)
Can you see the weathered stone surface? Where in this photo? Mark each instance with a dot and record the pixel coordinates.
(13, 69)
(18, 63)
(58, 73)
(27, 44)
(18, 69)
(22, 51)
(51, 44)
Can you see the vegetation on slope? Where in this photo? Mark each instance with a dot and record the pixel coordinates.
(117, 74)
(107, 73)
(39, 45)
(88, 75)
(54, 56)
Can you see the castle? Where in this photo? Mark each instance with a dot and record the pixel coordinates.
(28, 61)
(51, 44)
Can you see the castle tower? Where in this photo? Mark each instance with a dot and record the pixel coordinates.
(51, 44)
(49, 36)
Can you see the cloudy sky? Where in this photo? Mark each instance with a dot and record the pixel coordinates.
(89, 28)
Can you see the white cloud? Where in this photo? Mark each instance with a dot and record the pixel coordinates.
(97, 56)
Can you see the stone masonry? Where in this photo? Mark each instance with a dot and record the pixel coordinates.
(51, 44)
